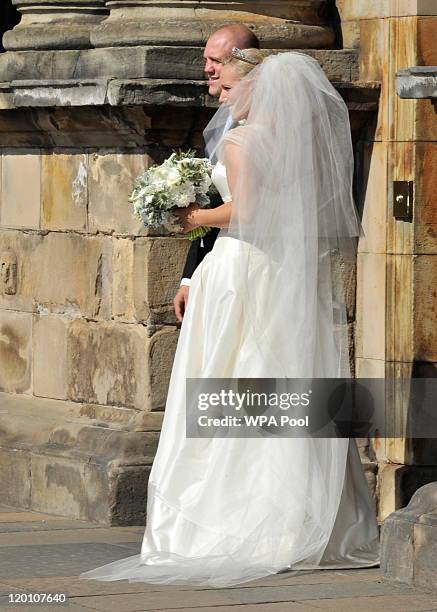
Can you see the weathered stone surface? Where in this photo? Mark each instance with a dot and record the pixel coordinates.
(399, 308)
(409, 541)
(60, 273)
(55, 459)
(417, 82)
(397, 550)
(401, 167)
(64, 191)
(15, 351)
(111, 179)
(14, 478)
(143, 62)
(370, 325)
(373, 50)
(52, 25)
(165, 258)
(50, 367)
(128, 494)
(397, 484)
(369, 9)
(373, 174)
(425, 235)
(425, 551)
(137, 24)
(411, 335)
(8, 272)
(107, 364)
(162, 349)
(425, 311)
(67, 486)
(20, 206)
(146, 273)
(117, 364)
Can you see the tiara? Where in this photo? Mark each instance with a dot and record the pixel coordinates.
(239, 54)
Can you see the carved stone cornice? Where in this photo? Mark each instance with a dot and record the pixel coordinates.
(54, 24)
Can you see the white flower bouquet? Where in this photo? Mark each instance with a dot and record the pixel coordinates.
(179, 181)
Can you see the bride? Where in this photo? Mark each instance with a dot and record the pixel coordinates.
(266, 302)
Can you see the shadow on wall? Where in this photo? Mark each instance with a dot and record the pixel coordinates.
(331, 16)
(9, 17)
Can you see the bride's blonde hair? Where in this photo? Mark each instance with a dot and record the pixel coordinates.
(244, 66)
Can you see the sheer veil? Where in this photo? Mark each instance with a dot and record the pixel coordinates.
(225, 510)
(292, 200)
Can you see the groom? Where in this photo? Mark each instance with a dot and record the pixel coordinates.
(217, 48)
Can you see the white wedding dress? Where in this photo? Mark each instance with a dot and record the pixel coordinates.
(222, 511)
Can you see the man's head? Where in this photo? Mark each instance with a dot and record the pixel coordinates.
(219, 46)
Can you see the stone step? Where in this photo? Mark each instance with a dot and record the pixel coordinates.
(76, 460)
(164, 62)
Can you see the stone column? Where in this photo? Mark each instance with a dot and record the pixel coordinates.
(54, 24)
(396, 305)
(141, 22)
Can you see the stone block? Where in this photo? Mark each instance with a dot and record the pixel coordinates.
(64, 191)
(111, 178)
(397, 550)
(118, 364)
(409, 541)
(68, 487)
(400, 313)
(146, 273)
(20, 190)
(410, 120)
(128, 494)
(374, 43)
(425, 552)
(107, 364)
(425, 238)
(15, 352)
(60, 273)
(373, 190)
(399, 8)
(350, 33)
(362, 9)
(370, 368)
(425, 311)
(123, 307)
(161, 355)
(398, 483)
(50, 372)
(14, 478)
(165, 259)
(370, 325)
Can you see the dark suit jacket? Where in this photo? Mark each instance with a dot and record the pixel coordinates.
(197, 252)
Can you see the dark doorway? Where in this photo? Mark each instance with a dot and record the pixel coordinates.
(9, 17)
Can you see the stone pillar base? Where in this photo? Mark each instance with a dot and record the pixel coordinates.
(75, 460)
(409, 541)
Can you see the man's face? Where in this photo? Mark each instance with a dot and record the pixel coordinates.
(217, 48)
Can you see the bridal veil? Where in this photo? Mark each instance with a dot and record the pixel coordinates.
(225, 510)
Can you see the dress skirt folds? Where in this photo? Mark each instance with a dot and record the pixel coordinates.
(222, 511)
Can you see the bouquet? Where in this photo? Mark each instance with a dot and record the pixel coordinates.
(178, 182)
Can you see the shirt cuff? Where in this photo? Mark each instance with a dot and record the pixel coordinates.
(186, 281)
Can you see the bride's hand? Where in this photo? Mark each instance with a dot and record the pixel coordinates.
(188, 217)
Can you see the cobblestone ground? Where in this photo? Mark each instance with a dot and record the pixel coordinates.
(42, 553)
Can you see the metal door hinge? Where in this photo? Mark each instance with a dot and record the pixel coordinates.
(403, 200)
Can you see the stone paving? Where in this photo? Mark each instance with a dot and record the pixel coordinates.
(42, 553)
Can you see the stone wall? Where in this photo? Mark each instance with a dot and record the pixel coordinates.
(90, 95)
(396, 305)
